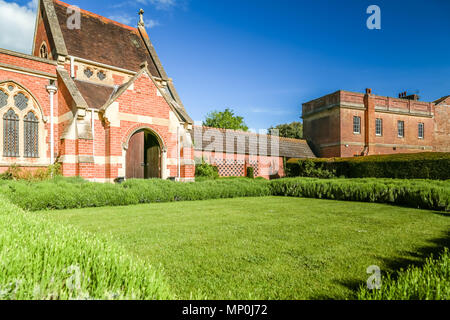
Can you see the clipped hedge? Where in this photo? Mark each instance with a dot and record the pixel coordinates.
(41, 260)
(62, 193)
(434, 166)
(430, 282)
(411, 193)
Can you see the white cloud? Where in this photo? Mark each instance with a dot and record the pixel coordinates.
(273, 111)
(17, 26)
(133, 20)
(125, 19)
(159, 4)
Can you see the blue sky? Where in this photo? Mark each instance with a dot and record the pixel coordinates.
(265, 58)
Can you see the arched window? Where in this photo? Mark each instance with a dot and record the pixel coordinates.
(21, 101)
(3, 99)
(43, 51)
(31, 135)
(10, 134)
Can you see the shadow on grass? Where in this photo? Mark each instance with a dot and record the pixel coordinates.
(393, 265)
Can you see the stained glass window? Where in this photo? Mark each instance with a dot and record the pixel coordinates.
(10, 134)
(44, 51)
(20, 101)
(88, 72)
(31, 134)
(3, 99)
(101, 75)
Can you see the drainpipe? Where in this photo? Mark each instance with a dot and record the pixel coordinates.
(369, 124)
(52, 89)
(72, 67)
(93, 131)
(179, 154)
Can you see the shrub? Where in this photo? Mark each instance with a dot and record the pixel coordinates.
(309, 168)
(14, 172)
(431, 282)
(400, 166)
(40, 259)
(411, 193)
(62, 193)
(250, 172)
(206, 170)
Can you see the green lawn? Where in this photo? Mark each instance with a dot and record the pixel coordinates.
(268, 248)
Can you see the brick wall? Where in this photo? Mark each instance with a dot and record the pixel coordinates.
(328, 125)
(235, 165)
(442, 126)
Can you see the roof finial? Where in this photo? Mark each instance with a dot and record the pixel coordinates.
(141, 21)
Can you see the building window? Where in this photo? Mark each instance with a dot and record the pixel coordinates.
(3, 99)
(88, 72)
(401, 129)
(31, 135)
(21, 101)
(421, 130)
(356, 125)
(21, 123)
(379, 127)
(101, 75)
(43, 52)
(10, 134)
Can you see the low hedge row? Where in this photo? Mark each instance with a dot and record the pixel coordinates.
(411, 193)
(401, 166)
(430, 282)
(42, 260)
(63, 193)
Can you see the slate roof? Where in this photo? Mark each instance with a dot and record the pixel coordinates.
(105, 41)
(95, 95)
(441, 100)
(213, 139)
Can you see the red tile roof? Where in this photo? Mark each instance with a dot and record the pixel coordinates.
(95, 95)
(106, 41)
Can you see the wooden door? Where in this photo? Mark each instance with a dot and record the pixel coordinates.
(153, 162)
(135, 157)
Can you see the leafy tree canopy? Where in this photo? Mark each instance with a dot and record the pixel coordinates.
(225, 120)
(290, 130)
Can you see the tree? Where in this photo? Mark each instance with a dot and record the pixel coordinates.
(290, 130)
(225, 120)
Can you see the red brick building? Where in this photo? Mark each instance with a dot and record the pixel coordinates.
(95, 97)
(347, 124)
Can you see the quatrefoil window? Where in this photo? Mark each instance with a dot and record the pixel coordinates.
(20, 101)
(101, 75)
(88, 72)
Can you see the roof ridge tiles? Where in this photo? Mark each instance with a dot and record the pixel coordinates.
(103, 18)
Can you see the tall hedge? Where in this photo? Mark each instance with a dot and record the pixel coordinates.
(435, 166)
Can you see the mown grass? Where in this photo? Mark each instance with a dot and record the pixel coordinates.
(41, 259)
(268, 248)
(429, 282)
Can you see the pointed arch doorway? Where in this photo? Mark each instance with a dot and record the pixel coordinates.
(143, 159)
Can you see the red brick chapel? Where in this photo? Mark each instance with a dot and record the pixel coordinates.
(96, 99)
